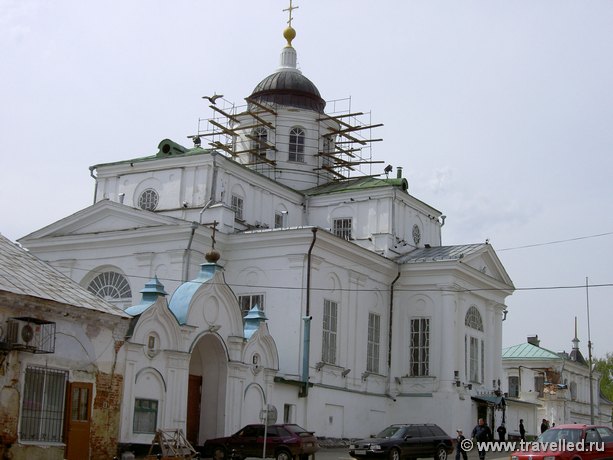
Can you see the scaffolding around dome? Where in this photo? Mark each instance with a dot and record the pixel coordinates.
(345, 150)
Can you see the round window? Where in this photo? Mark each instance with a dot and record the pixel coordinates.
(148, 200)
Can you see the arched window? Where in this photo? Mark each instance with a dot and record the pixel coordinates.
(111, 286)
(296, 145)
(259, 139)
(148, 200)
(473, 319)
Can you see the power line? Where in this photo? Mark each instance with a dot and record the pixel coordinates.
(397, 289)
(555, 242)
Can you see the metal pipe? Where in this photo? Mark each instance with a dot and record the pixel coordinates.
(188, 252)
(389, 345)
(91, 173)
(307, 322)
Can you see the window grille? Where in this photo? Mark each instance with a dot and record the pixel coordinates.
(148, 200)
(110, 286)
(473, 359)
(330, 325)
(296, 145)
(237, 206)
(42, 408)
(419, 351)
(342, 228)
(374, 334)
(473, 319)
(247, 302)
(145, 416)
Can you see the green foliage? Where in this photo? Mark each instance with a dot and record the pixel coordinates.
(605, 367)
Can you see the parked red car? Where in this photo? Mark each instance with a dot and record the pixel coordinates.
(283, 442)
(569, 442)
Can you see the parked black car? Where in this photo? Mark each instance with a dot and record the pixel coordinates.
(283, 442)
(405, 441)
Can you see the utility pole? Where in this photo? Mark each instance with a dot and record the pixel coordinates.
(589, 351)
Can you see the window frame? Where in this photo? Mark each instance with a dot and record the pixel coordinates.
(247, 302)
(145, 410)
(259, 135)
(43, 405)
(419, 347)
(237, 204)
(112, 284)
(343, 227)
(149, 199)
(513, 384)
(329, 332)
(296, 143)
(374, 343)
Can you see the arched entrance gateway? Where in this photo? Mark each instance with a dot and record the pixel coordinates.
(206, 394)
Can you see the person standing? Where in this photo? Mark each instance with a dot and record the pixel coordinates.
(502, 431)
(522, 430)
(544, 425)
(482, 434)
(459, 450)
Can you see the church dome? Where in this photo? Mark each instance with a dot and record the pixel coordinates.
(288, 87)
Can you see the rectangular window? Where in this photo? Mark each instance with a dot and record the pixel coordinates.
(281, 219)
(247, 302)
(539, 385)
(473, 360)
(482, 362)
(342, 228)
(328, 347)
(514, 387)
(237, 206)
(374, 333)
(288, 413)
(42, 410)
(419, 349)
(145, 416)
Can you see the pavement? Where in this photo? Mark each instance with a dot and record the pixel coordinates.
(342, 453)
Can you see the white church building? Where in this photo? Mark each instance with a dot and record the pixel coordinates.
(326, 294)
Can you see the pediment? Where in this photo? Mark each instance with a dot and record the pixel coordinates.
(103, 216)
(487, 262)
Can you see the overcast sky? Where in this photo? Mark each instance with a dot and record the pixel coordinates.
(500, 113)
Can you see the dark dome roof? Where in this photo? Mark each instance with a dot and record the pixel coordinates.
(289, 88)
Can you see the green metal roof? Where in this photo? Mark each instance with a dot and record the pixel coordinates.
(360, 183)
(166, 149)
(528, 351)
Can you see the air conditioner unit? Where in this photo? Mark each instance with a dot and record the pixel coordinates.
(30, 334)
(21, 333)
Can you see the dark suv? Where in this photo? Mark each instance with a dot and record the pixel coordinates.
(408, 441)
(283, 442)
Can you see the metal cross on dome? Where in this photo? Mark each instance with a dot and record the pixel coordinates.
(289, 10)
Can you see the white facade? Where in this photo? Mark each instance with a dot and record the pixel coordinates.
(542, 384)
(361, 299)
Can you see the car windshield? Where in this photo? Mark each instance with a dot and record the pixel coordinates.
(555, 435)
(297, 430)
(391, 432)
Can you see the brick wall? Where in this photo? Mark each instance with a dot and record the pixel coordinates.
(106, 416)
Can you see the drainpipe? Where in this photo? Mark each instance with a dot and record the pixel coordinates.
(91, 173)
(389, 345)
(213, 189)
(188, 252)
(306, 347)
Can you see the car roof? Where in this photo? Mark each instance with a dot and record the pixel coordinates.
(576, 426)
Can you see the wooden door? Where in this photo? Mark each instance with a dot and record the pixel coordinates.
(194, 395)
(78, 420)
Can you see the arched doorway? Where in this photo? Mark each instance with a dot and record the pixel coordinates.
(206, 395)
